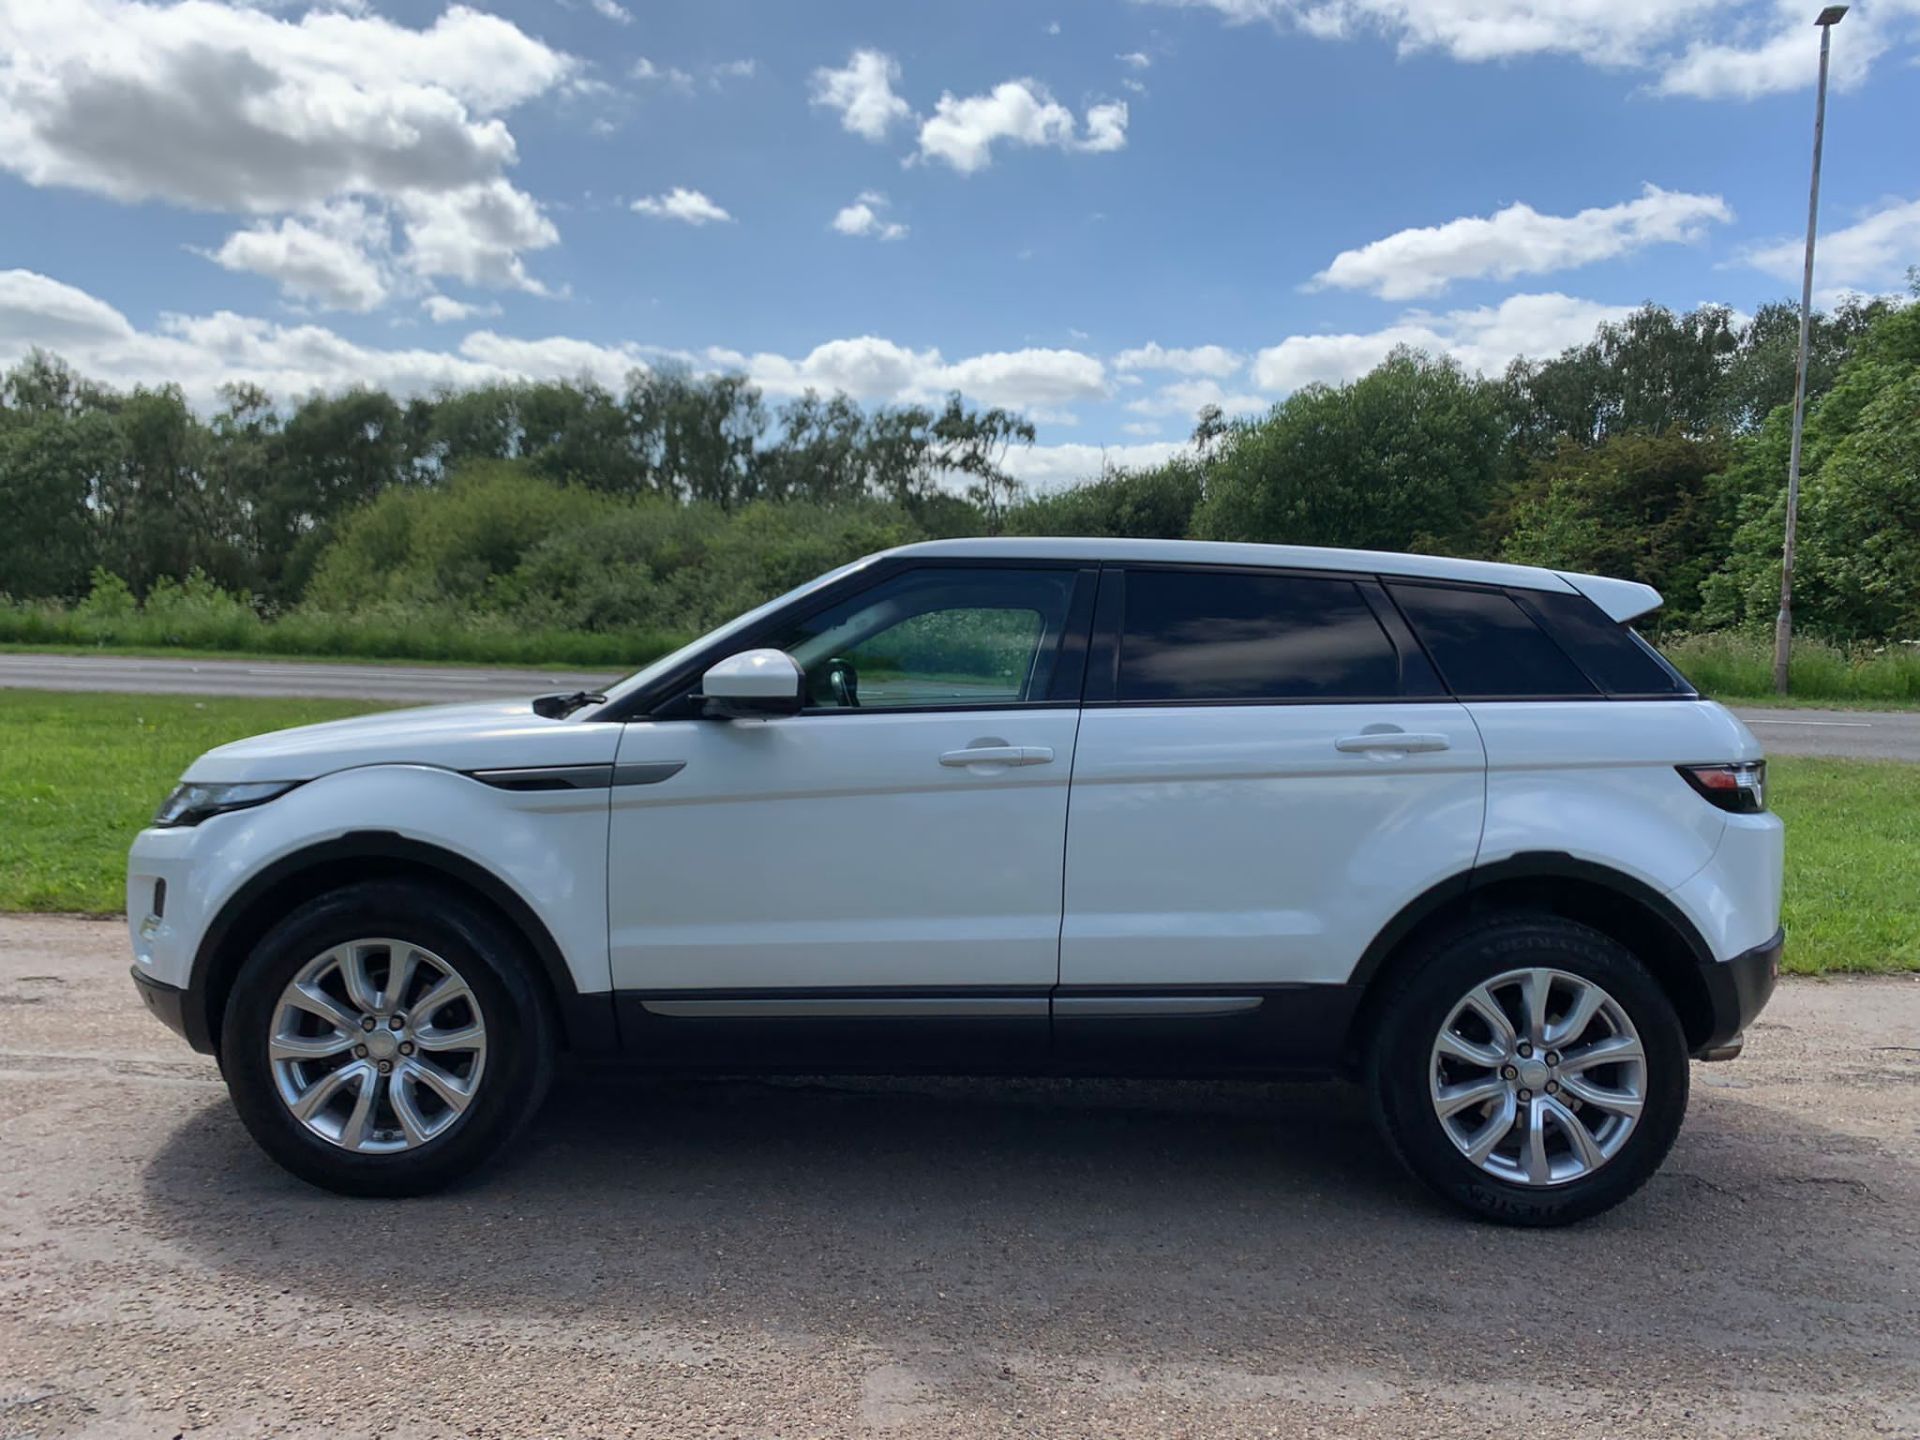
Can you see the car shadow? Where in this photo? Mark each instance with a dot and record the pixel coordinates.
(1158, 1215)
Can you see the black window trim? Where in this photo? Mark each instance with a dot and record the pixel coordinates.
(669, 697)
(1103, 667)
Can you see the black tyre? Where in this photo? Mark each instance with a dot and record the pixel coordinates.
(1529, 1069)
(386, 1038)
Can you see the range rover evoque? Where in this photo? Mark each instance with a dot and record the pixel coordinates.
(1450, 828)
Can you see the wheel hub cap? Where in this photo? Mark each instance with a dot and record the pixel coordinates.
(377, 1045)
(1538, 1077)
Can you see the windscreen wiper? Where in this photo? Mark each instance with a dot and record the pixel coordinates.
(558, 707)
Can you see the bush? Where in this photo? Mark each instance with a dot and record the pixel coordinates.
(1739, 665)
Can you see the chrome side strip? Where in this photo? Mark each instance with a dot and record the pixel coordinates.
(1077, 1007)
(940, 1007)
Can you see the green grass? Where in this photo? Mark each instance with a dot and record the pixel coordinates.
(1737, 667)
(1853, 857)
(184, 652)
(79, 774)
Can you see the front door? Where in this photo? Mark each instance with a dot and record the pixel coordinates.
(891, 854)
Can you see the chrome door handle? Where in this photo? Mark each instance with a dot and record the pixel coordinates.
(998, 755)
(1399, 740)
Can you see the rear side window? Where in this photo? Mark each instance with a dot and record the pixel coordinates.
(1227, 635)
(1615, 659)
(1487, 647)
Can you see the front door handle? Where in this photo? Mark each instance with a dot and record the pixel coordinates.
(998, 755)
(1402, 741)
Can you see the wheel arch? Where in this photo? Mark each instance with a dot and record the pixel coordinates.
(1544, 882)
(586, 1020)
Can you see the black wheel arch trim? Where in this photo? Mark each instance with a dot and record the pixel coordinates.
(587, 1022)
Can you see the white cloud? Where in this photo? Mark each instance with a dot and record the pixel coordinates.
(613, 11)
(1519, 240)
(862, 91)
(36, 310)
(1780, 59)
(1873, 252)
(1042, 378)
(963, 131)
(862, 217)
(1136, 59)
(445, 310)
(688, 206)
(670, 77)
(1483, 339)
(235, 110)
(1051, 467)
(1188, 398)
(335, 256)
(1142, 427)
(1699, 47)
(732, 70)
(1214, 360)
(555, 357)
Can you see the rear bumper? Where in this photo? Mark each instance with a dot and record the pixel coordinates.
(1737, 990)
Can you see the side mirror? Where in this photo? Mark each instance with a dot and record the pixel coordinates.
(753, 684)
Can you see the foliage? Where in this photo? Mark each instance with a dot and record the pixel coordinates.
(1405, 458)
(1157, 503)
(1735, 665)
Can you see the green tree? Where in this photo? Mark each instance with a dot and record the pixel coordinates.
(1405, 458)
(1151, 504)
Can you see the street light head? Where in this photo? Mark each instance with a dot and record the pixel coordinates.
(1830, 16)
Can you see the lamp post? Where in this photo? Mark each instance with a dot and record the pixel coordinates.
(1783, 626)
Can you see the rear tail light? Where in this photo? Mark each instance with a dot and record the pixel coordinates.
(1740, 788)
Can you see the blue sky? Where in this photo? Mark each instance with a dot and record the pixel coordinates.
(1104, 213)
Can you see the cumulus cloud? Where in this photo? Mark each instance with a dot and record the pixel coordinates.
(335, 257)
(670, 77)
(863, 217)
(690, 207)
(1050, 467)
(204, 352)
(235, 110)
(962, 131)
(1519, 240)
(612, 10)
(1188, 398)
(1483, 339)
(862, 91)
(445, 310)
(1213, 360)
(1872, 252)
(1737, 48)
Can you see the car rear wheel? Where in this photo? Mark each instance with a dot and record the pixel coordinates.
(385, 1039)
(1530, 1070)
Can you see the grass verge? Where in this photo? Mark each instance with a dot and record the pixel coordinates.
(81, 773)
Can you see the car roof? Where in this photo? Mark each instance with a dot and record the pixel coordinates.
(1623, 600)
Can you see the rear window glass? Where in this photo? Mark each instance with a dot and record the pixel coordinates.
(1190, 635)
(1616, 659)
(1487, 647)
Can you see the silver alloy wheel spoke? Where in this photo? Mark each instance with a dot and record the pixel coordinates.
(349, 1053)
(1512, 1082)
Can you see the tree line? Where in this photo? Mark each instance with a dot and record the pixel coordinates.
(1656, 450)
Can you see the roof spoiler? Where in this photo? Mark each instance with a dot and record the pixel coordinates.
(1624, 600)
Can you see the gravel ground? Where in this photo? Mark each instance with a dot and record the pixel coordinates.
(760, 1259)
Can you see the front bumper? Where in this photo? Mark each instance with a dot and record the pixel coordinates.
(168, 1004)
(1737, 990)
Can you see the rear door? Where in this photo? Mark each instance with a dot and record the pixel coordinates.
(1267, 771)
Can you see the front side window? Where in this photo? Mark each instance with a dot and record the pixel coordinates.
(1232, 635)
(935, 637)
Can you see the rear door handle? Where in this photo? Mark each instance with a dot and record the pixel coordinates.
(1398, 740)
(998, 755)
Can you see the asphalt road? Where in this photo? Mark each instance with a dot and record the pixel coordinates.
(1858, 734)
(961, 1259)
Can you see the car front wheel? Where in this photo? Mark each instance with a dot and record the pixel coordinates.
(1530, 1070)
(385, 1039)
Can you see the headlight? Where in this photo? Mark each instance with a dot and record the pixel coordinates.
(192, 802)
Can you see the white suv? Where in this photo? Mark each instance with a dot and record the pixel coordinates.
(1078, 807)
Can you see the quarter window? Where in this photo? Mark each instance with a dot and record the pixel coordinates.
(1232, 635)
(1486, 647)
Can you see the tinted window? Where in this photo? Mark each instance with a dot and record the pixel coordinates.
(1615, 659)
(1486, 646)
(1192, 635)
(935, 637)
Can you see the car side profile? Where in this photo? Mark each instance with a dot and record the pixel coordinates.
(1010, 806)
